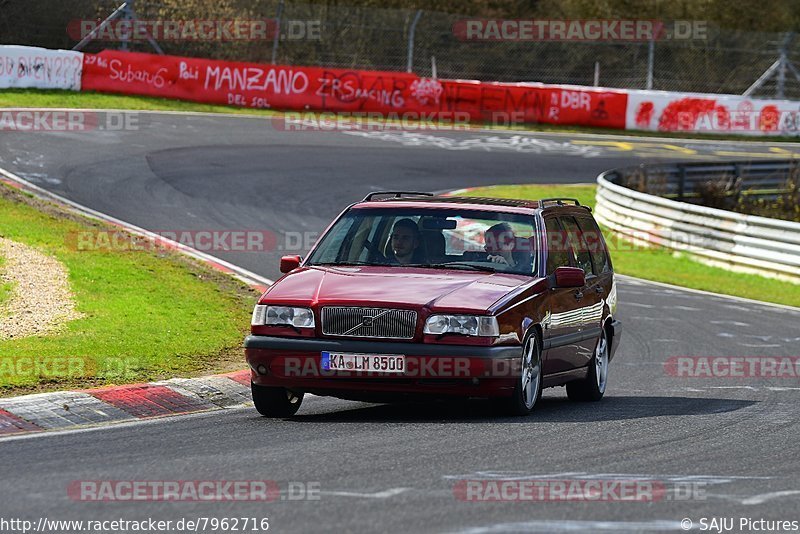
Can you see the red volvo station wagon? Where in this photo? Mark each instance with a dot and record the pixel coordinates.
(408, 295)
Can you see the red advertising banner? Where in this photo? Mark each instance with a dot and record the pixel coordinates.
(536, 103)
(339, 90)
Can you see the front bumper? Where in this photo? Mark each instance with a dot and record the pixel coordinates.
(441, 370)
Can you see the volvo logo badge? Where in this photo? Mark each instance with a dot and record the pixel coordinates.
(367, 321)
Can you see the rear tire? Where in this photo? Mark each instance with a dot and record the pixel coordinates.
(593, 387)
(528, 389)
(275, 402)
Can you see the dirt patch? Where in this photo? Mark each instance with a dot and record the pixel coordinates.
(41, 301)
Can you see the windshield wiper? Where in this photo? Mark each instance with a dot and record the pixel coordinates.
(454, 265)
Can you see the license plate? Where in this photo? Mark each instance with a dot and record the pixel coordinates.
(373, 363)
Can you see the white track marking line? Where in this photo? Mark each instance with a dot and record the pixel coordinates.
(764, 497)
(636, 304)
(385, 494)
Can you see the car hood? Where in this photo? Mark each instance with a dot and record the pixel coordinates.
(453, 290)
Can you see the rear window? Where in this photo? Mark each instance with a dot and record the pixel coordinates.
(578, 244)
(559, 253)
(596, 243)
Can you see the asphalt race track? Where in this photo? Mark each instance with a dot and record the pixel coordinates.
(721, 447)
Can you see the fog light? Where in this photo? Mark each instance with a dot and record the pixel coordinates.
(262, 369)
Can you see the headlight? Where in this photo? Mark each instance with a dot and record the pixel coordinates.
(470, 325)
(282, 316)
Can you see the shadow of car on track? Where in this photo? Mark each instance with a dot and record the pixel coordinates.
(548, 410)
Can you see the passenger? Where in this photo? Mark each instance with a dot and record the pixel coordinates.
(406, 243)
(499, 243)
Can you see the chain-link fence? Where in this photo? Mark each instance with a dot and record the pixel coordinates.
(725, 61)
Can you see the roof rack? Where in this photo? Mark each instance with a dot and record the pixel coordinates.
(397, 194)
(559, 201)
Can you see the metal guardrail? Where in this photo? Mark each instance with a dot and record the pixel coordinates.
(681, 181)
(746, 243)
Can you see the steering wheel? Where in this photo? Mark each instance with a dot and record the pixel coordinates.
(375, 254)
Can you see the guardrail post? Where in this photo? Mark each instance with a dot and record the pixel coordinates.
(681, 182)
(737, 174)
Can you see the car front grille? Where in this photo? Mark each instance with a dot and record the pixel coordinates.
(368, 322)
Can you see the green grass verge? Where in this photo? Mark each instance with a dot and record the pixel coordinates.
(659, 264)
(37, 98)
(147, 315)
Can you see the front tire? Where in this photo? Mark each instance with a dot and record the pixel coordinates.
(528, 389)
(275, 402)
(593, 387)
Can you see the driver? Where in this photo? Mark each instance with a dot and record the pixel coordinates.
(405, 242)
(499, 243)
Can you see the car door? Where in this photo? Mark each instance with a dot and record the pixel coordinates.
(591, 299)
(561, 326)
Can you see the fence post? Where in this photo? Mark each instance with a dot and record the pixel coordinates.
(651, 48)
(127, 15)
(681, 182)
(411, 30)
(597, 74)
(780, 82)
(277, 37)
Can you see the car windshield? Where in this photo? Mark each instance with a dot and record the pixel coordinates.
(431, 238)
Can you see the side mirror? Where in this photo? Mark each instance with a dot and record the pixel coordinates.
(290, 263)
(569, 277)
